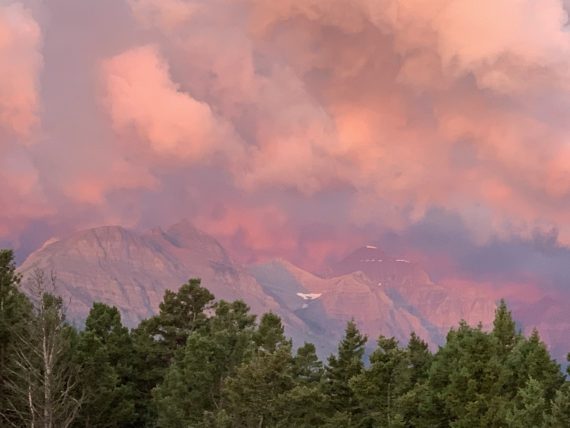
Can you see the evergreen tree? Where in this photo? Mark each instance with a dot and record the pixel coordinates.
(504, 329)
(304, 406)
(307, 367)
(560, 412)
(44, 389)
(530, 359)
(158, 340)
(180, 313)
(192, 386)
(253, 396)
(103, 354)
(530, 407)
(270, 333)
(380, 388)
(420, 359)
(464, 380)
(15, 315)
(341, 368)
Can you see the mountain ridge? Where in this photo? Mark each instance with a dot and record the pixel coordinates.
(131, 270)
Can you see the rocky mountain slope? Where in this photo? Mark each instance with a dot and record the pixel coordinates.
(326, 304)
(384, 295)
(132, 270)
(439, 307)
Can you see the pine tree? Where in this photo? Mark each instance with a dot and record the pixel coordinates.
(307, 367)
(464, 379)
(15, 315)
(529, 407)
(103, 354)
(180, 313)
(420, 359)
(158, 340)
(504, 329)
(44, 390)
(380, 388)
(253, 396)
(304, 406)
(530, 359)
(270, 333)
(341, 368)
(193, 383)
(560, 412)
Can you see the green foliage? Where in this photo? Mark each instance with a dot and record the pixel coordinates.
(303, 406)
(270, 334)
(307, 367)
(43, 388)
(529, 407)
(465, 376)
(380, 387)
(504, 329)
(420, 359)
(180, 313)
(192, 385)
(15, 315)
(103, 354)
(158, 341)
(341, 369)
(253, 395)
(560, 412)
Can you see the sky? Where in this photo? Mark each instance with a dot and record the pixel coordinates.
(296, 128)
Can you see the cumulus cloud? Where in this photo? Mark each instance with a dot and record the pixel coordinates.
(167, 14)
(143, 98)
(266, 121)
(22, 199)
(409, 84)
(20, 42)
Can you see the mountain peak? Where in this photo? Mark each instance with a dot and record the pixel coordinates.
(185, 234)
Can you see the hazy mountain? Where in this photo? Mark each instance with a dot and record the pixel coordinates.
(326, 304)
(132, 270)
(439, 307)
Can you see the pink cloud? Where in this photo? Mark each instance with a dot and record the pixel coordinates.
(382, 109)
(20, 42)
(143, 99)
(167, 14)
(22, 198)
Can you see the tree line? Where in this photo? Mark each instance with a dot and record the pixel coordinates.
(206, 363)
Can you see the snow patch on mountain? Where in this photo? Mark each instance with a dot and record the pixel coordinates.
(309, 296)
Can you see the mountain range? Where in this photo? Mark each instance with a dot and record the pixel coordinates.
(383, 294)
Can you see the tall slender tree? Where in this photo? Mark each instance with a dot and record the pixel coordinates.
(103, 355)
(15, 315)
(44, 389)
(380, 387)
(341, 368)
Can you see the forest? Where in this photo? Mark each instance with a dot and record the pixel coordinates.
(206, 363)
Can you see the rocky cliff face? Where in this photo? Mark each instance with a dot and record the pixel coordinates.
(438, 306)
(326, 304)
(383, 295)
(132, 271)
